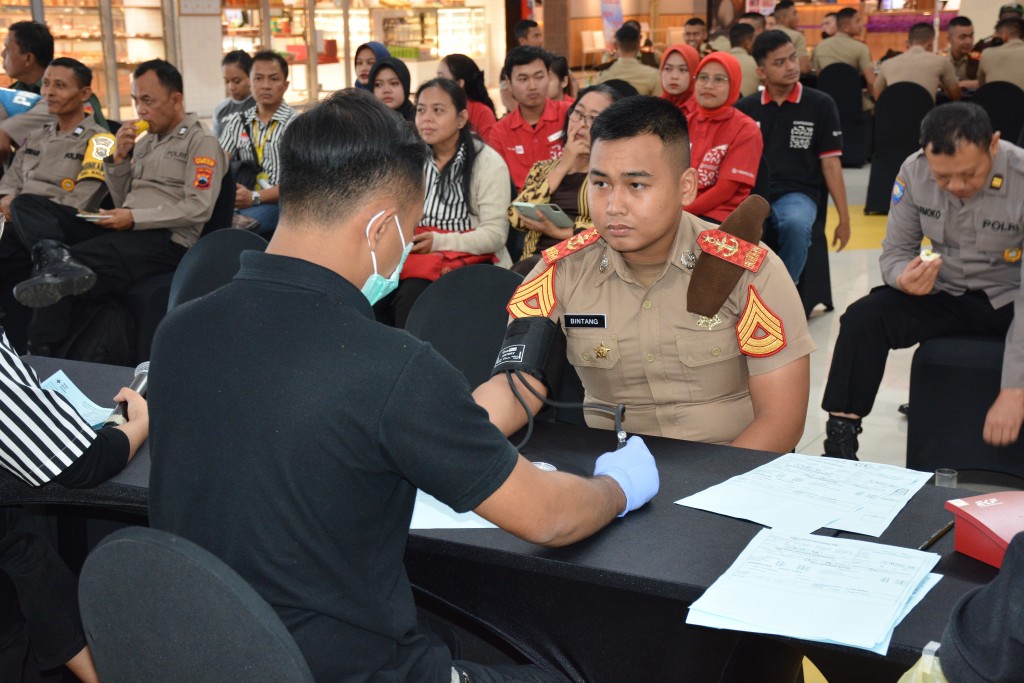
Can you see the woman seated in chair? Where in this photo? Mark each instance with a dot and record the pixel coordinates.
(678, 66)
(561, 181)
(390, 80)
(725, 143)
(467, 191)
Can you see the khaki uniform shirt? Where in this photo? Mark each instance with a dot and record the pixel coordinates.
(172, 180)
(748, 67)
(645, 79)
(67, 168)
(980, 240)
(844, 49)
(799, 42)
(640, 346)
(1003, 63)
(917, 65)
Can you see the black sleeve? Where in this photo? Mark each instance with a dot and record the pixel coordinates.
(104, 458)
(984, 641)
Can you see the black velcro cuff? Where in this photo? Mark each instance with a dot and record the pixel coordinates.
(527, 346)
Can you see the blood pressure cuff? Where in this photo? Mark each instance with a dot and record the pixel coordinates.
(534, 345)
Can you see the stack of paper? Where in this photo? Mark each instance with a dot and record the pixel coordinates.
(802, 493)
(430, 513)
(817, 588)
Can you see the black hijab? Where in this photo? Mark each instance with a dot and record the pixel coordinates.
(407, 110)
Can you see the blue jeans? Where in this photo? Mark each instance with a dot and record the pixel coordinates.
(266, 214)
(792, 217)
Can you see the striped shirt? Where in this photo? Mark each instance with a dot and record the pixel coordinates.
(445, 206)
(244, 137)
(41, 435)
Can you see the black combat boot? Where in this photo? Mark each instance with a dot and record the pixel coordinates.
(55, 275)
(841, 437)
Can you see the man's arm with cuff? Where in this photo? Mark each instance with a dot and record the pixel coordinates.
(503, 408)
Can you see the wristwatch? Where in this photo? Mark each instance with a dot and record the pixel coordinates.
(256, 198)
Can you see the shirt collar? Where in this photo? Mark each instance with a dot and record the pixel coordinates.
(683, 245)
(550, 113)
(794, 95)
(282, 115)
(297, 273)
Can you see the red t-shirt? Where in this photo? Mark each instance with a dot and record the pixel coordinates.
(522, 145)
(726, 147)
(482, 118)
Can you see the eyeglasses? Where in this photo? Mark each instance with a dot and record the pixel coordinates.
(583, 118)
(715, 80)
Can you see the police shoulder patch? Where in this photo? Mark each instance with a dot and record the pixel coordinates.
(759, 332)
(571, 245)
(534, 298)
(899, 189)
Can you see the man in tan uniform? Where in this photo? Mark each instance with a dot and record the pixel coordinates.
(628, 67)
(620, 292)
(919, 65)
(960, 36)
(1006, 62)
(165, 188)
(787, 20)
(742, 38)
(844, 48)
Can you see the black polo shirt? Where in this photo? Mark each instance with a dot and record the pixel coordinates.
(289, 433)
(797, 134)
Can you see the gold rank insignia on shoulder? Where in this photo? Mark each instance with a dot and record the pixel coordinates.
(1012, 255)
(732, 249)
(534, 298)
(707, 322)
(997, 182)
(760, 332)
(571, 245)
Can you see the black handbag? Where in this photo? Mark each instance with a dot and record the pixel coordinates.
(246, 171)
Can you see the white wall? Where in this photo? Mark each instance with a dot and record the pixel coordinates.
(200, 53)
(983, 14)
(581, 9)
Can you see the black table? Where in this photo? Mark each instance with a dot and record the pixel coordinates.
(612, 607)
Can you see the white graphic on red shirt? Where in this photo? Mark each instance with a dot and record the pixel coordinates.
(707, 170)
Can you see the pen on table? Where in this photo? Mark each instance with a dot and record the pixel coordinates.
(936, 536)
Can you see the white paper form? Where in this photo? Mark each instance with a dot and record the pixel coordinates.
(90, 412)
(430, 513)
(802, 493)
(815, 588)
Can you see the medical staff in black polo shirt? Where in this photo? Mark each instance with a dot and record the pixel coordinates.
(802, 143)
(290, 438)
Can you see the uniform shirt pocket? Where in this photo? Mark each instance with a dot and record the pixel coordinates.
(595, 355)
(994, 243)
(712, 364)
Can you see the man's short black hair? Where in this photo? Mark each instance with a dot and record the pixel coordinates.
(34, 38)
(740, 33)
(959, 21)
(271, 56)
(241, 58)
(523, 55)
(83, 74)
(1011, 24)
(946, 127)
(845, 16)
(628, 38)
(920, 33)
(166, 73)
(344, 151)
(632, 117)
(784, 6)
(696, 21)
(522, 28)
(766, 43)
(756, 17)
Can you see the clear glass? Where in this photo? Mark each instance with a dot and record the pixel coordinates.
(946, 477)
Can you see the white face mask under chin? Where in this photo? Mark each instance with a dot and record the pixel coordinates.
(377, 286)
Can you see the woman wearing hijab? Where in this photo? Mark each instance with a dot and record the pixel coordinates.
(678, 66)
(367, 55)
(390, 80)
(725, 143)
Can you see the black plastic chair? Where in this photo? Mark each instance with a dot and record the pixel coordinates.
(211, 264)
(1004, 103)
(160, 609)
(463, 316)
(898, 115)
(842, 83)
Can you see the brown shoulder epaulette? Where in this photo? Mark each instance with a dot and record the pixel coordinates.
(735, 248)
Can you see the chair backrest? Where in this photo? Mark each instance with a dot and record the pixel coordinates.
(898, 115)
(158, 608)
(842, 83)
(463, 316)
(224, 207)
(1004, 103)
(210, 264)
(763, 182)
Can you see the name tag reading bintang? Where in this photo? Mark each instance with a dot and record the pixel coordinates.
(585, 320)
